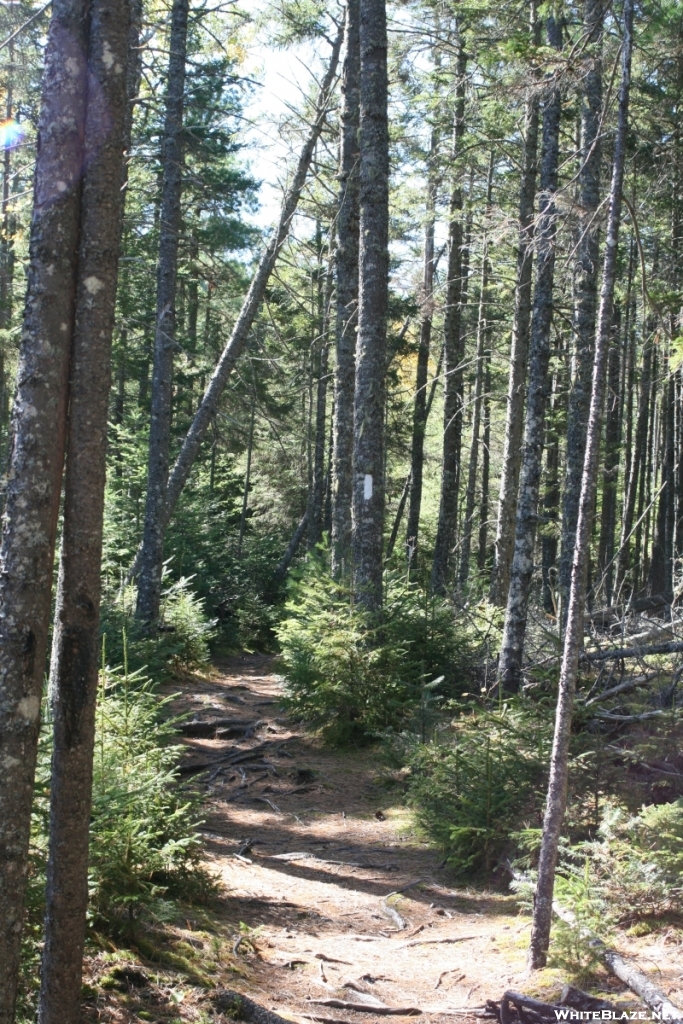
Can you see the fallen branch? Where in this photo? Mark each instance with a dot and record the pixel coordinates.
(617, 965)
(384, 1011)
(671, 647)
(624, 687)
(436, 942)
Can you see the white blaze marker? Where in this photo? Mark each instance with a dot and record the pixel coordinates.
(367, 490)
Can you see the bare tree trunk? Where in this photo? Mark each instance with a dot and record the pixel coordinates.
(37, 460)
(247, 477)
(6, 255)
(152, 554)
(480, 368)
(557, 784)
(550, 503)
(373, 295)
(292, 548)
(76, 640)
(420, 406)
(347, 296)
(322, 344)
(586, 293)
(637, 468)
(660, 579)
(514, 632)
(519, 350)
(485, 470)
(391, 543)
(610, 473)
(453, 352)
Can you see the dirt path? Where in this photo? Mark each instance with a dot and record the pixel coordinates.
(346, 902)
(334, 894)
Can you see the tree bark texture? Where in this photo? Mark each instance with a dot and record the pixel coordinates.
(585, 294)
(76, 639)
(347, 295)
(37, 460)
(610, 472)
(322, 349)
(152, 556)
(373, 294)
(660, 580)
(420, 405)
(453, 353)
(557, 783)
(514, 631)
(519, 352)
(477, 400)
(636, 470)
(551, 501)
(485, 470)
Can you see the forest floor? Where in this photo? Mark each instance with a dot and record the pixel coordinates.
(338, 898)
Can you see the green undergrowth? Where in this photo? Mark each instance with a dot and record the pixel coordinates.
(182, 639)
(353, 675)
(479, 781)
(145, 847)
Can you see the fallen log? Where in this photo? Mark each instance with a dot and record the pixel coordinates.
(670, 647)
(514, 1008)
(626, 971)
(618, 965)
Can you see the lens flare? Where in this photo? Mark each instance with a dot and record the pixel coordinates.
(11, 134)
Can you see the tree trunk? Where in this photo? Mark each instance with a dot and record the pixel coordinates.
(660, 580)
(76, 639)
(551, 501)
(373, 294)
(292, 548)
(485, 470)
(152, 555)
(240, 332)
(483, 333)
(391, 543)
(37, 460)
(420, 406)
(519, 350)
(585, 292)
(316, 509)
(557, 784)
(6, 257)
(512, 648)
(610, 473)
(636, 470)
(247, 478)
(453, 344)
(347, 296)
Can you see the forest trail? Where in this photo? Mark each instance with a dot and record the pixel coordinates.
(327, 925)
(335, 870)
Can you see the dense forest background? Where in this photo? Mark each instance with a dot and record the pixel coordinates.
(383, 361)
